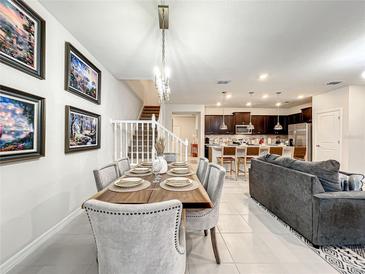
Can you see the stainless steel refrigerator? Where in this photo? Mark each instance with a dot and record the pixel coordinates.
(300, 135)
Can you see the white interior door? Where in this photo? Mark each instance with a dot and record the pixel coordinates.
(328, 135)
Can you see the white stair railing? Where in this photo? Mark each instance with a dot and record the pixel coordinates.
(136, 138)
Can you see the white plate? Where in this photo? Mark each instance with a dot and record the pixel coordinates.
(180, 170)
(140, 170)
(178, 182)
(179, 164)
(128, 182)
(146, 164)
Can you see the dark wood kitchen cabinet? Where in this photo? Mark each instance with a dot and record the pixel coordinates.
(213, 123)
(272, 120)
(307, 115)
(241, 118)
(260, 124)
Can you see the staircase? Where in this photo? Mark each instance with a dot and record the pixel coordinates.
(148, 111)
(135, 138)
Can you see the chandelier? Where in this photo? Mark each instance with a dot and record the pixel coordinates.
(162, 73)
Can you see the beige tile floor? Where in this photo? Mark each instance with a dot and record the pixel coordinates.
(250, 242)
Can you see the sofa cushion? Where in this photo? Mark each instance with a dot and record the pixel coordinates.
(351, 182)
(326, 171)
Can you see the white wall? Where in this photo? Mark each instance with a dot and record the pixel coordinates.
(167, 111)
(35, 195)
(145, 90)
(356, 127)
(187, 128)
(352, 102)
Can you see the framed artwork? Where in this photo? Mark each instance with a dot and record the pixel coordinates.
(82, 130)
(22, 38)
(22, 125)
(81, 76)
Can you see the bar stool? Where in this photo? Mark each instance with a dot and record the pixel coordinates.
(252, 152)
(288, 152)
(276, 150)
(264, 150)
(300, 153)
(227, 156)
(241, 158)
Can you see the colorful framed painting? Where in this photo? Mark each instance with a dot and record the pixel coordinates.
(22, 125)
(81, 76)
(22, 38)
(82, 130)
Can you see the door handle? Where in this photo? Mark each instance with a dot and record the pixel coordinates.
(318, 146)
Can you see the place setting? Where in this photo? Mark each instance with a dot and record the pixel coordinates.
(129, 184)
(139, 171)
(180, 171)
(179, 164)
(179, 184)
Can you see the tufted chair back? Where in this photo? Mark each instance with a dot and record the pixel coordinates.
(143, 239)
(123, 165)
(202, 169)
(215, 180)
(105, 175)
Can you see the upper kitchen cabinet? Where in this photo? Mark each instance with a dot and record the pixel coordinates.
(213, 123)
(260, 124)
(307, 115)
(272, 120)
(241, 118)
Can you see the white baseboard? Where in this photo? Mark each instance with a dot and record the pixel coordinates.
(36, 243)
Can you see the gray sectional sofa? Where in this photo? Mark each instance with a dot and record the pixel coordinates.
(299, 199)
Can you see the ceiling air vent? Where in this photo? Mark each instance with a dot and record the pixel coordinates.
(223, 82)
(333, 83)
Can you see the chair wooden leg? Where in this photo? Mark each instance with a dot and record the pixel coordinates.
(230, 172)
(205, 232)
(214, 245)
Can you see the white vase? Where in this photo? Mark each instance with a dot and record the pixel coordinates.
(160, 160)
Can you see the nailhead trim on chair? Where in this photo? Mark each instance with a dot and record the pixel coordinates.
(177, 246)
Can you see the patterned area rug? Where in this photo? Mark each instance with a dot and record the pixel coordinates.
(345, 259)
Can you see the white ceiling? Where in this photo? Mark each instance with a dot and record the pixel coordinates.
(301, 44)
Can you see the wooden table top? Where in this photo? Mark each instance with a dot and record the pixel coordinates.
(197, 198)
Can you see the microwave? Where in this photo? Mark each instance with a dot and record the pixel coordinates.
(243, 129)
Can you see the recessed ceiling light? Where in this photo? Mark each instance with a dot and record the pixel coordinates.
(363, 75)
(263, 76)
(300, 96)
(228, 96)
(278, 104)
(248, 104)
(218, 104)
(265, 96)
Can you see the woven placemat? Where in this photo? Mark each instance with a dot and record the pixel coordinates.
(129, 173)
(142, 186)
(179, 175)
(190, 187)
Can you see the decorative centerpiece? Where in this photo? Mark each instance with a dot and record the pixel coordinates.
(160, 162)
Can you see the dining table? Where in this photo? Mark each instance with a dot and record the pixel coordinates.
(196, 198)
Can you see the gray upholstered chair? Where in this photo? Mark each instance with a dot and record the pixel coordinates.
(105, 175)
(202, 169)
(143, 239)
(123, 165)
(204, 219)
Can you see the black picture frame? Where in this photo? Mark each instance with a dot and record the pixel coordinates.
(69, 78)
(39, 124)
(38, 69)
(68, 131)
